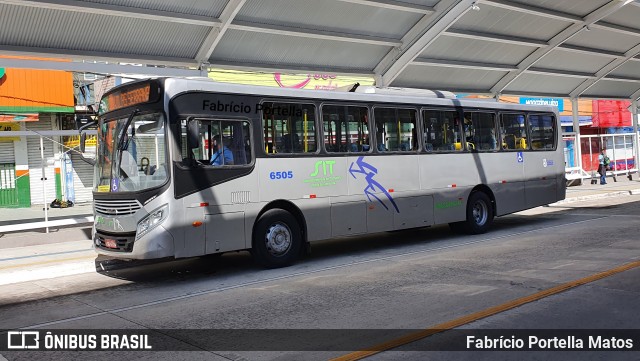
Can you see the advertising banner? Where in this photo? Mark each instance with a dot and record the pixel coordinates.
(611, 113)
(316, 81)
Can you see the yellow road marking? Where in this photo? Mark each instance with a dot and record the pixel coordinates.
(60, 260)
(412, 337)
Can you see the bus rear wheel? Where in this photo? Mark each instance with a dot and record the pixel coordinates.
(277, 239)
(479, 215)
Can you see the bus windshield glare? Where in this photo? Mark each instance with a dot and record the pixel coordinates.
(131, 153)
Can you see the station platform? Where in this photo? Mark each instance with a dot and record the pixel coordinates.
(587, 191)
(14, 220)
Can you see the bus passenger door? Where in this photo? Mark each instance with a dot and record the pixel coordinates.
(507, 167)
(544, 163)
(508, 181)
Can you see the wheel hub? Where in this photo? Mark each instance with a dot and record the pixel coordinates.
(480, 213)
(278, 239)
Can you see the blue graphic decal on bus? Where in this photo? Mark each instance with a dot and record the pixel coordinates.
(369, 172)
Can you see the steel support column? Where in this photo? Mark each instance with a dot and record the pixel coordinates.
(576, 129)
(636, 143)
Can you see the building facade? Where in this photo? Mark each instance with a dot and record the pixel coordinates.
(36, 100)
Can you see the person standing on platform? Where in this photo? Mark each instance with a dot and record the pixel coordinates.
(602, 167)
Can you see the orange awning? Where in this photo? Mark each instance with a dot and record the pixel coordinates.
(36, 91)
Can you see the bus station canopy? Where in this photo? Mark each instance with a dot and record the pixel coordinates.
(552, 48)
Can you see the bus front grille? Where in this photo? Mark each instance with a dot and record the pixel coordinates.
(116, 207)
(115, 243)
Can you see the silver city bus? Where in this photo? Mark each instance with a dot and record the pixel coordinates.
(188, 167)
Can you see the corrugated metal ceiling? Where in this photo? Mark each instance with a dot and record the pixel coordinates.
(212, 8)
(559, 47)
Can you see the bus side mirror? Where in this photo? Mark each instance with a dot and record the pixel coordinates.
(83, 141)
(193, 134)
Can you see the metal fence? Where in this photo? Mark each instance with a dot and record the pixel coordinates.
(40, 182)
(8, 189)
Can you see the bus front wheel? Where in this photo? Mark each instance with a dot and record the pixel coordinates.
(277, 239)
(479, 215)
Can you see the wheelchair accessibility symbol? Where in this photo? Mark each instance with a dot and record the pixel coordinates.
(520, 157)
(115, 184)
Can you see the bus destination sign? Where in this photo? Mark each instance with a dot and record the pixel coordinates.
(125, 98)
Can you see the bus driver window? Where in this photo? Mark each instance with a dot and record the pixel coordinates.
(215, 143)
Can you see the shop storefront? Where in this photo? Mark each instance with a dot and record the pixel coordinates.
(32, 100)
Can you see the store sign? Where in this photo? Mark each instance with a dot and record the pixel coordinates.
(10, 118)
(554, 102)
(9, 127)
(73, 141)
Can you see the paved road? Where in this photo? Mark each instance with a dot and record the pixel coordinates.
(396, 281)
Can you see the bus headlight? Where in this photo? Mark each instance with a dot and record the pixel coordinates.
(152, 221)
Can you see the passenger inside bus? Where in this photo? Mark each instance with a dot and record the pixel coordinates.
(291, 143)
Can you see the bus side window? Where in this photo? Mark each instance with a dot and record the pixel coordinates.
(396, 129)
(513, 131)
(218, 143)
(289, 128)
(346, 129)
(442, 131)
(542, 129)
(480, 131)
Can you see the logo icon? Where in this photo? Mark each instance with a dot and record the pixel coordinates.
(520, 157)
(322, 175)
(23, 340)
(1, 72)
(324, 164)
(373, 186)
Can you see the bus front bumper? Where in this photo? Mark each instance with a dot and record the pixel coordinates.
(158, 243)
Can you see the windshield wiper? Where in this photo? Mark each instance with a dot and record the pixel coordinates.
(124, 135)
(126, 126)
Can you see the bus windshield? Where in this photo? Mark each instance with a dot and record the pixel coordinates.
(131, 153)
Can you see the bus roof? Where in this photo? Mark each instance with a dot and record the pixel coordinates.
(175, 86)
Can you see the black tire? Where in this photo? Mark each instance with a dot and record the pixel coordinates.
(277, 239)
(479, 215)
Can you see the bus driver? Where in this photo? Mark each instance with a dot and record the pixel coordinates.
(222, 156)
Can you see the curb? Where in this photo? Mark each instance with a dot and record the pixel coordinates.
(53, 270)
(630, 192)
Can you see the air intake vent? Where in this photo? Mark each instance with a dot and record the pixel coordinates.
(117, 207)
